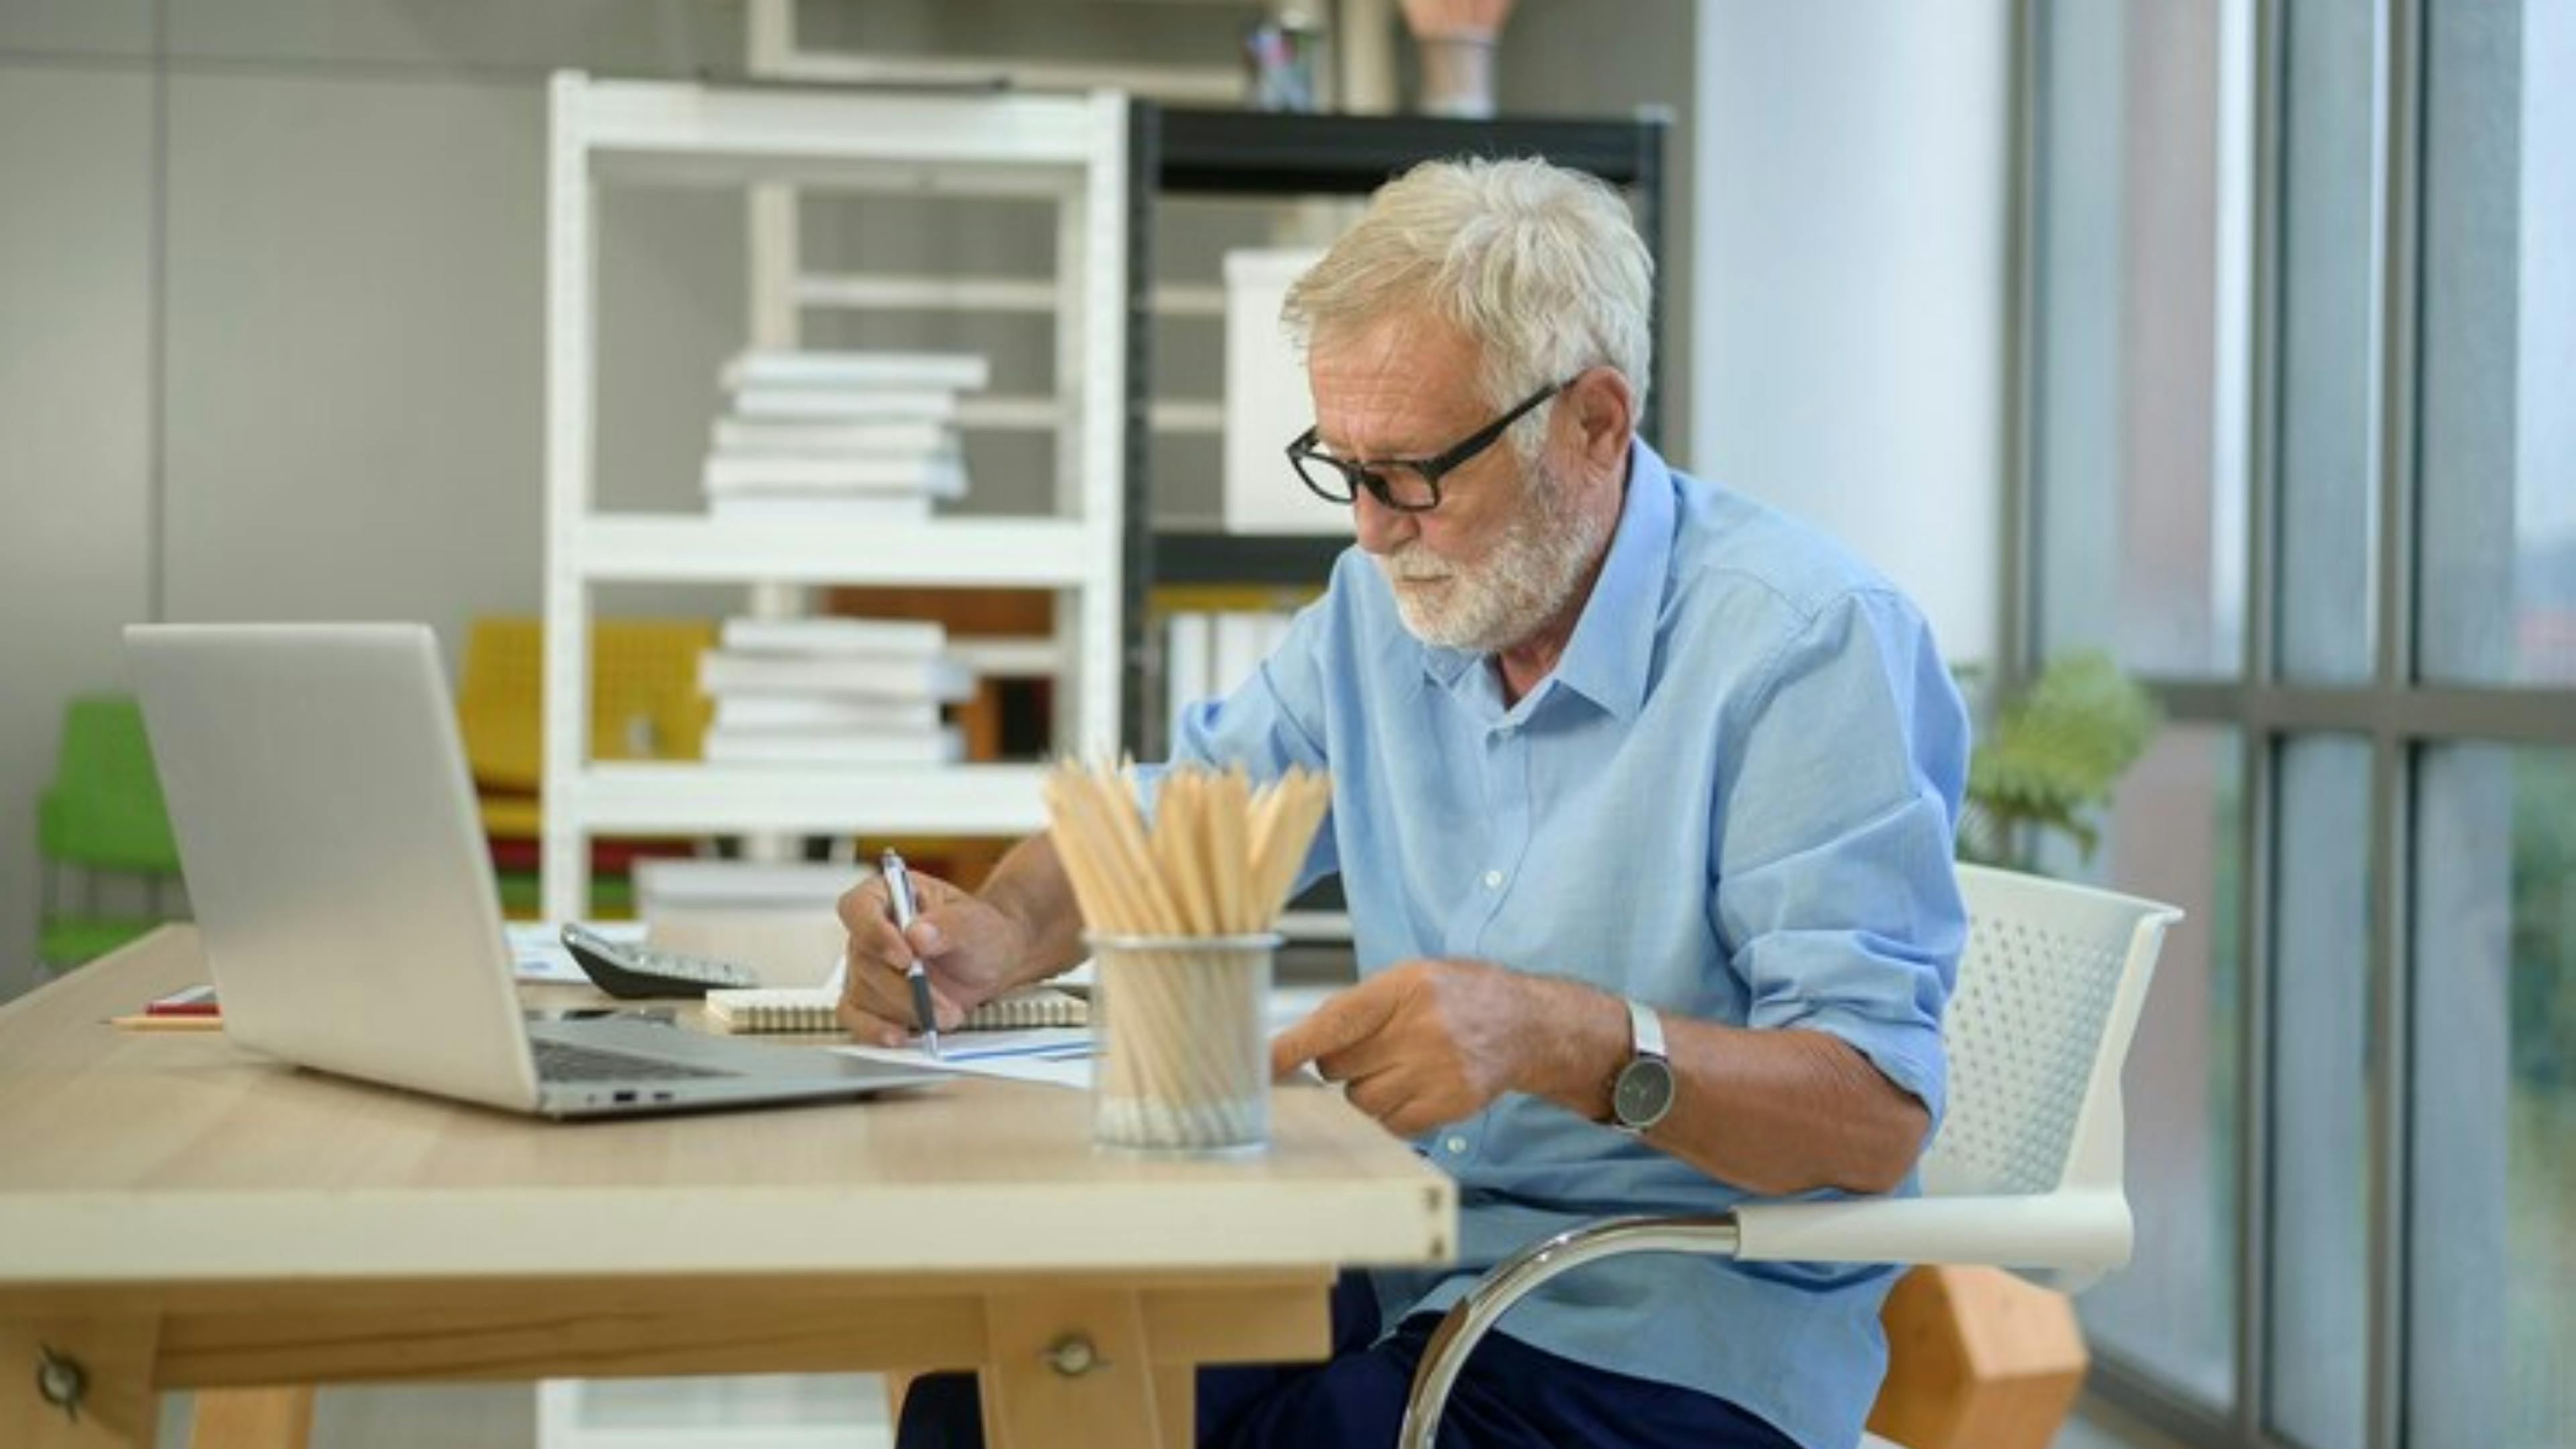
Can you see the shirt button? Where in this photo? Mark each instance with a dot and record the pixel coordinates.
(1493, 880)
(1455, 1145)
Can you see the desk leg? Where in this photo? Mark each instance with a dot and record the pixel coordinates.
(1070, 1370)
(101, 1366)
(279, 1418)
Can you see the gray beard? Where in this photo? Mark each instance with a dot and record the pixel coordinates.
(1511, 593)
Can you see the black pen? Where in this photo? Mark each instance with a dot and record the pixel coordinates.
(899, 899)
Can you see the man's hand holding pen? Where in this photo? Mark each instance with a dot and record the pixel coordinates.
(968, 950)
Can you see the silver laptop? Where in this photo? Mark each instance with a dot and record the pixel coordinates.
(327, 830)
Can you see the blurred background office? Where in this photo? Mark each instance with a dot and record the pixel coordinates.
(2235, 339)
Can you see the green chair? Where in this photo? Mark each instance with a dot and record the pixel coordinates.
(102, 817)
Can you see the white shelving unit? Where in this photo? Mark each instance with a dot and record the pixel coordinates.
(1071, 148)
(775, 47)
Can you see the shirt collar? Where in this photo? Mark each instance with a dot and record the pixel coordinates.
(1613, 647)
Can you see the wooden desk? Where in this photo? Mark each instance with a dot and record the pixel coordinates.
(176, 1212)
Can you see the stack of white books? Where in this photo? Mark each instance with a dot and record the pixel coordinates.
(833, 691)
(840, 437)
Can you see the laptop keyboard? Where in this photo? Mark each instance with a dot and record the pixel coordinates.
(562, 1062)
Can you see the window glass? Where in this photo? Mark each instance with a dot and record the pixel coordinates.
(2329, 280)
(2498, 581)
(2493, 1264)
(2318, 1238)
(2174, 834)
(2143, 258)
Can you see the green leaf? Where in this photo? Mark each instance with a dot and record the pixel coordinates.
(2054, 753)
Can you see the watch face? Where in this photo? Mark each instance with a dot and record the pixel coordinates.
(1643, 1093)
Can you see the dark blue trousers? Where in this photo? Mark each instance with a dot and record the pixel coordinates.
(1511, 1396)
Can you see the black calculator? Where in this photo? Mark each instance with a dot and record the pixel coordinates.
(630, 972)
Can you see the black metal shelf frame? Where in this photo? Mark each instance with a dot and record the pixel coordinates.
(1189, 150)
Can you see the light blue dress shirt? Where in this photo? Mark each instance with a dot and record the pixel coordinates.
(1733, 799)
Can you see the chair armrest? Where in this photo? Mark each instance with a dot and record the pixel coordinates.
(2075, 1234)
(1516, 1277)
(2071, 1238)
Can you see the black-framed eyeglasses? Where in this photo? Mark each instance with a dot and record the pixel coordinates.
(1407, 485)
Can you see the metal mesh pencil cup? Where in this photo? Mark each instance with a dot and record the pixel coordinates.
(1184, 1048)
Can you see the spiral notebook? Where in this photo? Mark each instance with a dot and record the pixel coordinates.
(772, 1009)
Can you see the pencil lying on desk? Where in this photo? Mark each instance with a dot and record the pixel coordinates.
(166, 1023)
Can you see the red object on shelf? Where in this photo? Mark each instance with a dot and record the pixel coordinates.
(607, 857)
(194, 1001)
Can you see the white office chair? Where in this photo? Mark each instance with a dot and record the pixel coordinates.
(2025, 1172)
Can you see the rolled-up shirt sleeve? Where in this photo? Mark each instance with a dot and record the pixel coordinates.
(1834, 892)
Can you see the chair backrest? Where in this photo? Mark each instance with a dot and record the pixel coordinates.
(2038, 1026)
(103, 808)
(644, 699)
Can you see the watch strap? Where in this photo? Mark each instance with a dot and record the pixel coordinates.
(1645, 1031)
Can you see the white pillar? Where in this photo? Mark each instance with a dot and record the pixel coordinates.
(1849, 259)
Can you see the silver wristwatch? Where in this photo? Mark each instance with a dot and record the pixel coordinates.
(1642, 1093)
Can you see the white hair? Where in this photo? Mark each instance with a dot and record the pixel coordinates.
(1540, 267)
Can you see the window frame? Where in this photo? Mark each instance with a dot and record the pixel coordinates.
(2395, 710)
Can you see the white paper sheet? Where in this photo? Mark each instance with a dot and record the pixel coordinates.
(537, 953)
(1054, 1056)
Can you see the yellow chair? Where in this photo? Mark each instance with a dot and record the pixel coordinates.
(644, 705)
(644, 699)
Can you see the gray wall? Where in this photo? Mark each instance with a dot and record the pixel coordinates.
(270, 313)
(271, 301)
(76, 435)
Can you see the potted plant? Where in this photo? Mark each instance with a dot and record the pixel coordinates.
(2050, 758)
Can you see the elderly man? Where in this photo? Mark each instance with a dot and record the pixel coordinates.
(1643, 798)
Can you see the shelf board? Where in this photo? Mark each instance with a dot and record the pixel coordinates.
(1032, 296)
(1205, 84)
(1011, 412)
(907, 292)
(1188, 415)
(1006, 657)
(1183, 556)
(956, 553)
(683, 132)
(945, 800)
(1248, 152)
(1190, 299)
(1333, 926)
(1008, 413)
